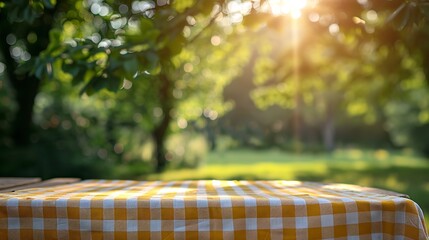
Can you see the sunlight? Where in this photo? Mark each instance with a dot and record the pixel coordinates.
(292, 7)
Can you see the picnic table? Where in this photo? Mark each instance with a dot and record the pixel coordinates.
(203, 209)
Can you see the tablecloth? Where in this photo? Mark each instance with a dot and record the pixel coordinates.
(207, 209)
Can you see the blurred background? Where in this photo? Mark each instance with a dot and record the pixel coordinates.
(329, 91)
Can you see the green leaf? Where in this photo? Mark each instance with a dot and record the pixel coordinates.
(156, 70)
(206, 7)
(49, 3)
(27, 14)
(71, 69)
(39, 68)
(145, 24)
(113, 83)
(139, 47)
(114, 64)
(176, 44)
(93, 86)
(13, 14)
(79, 78)
(96, 84)
(55, 36)
(256, 19)
(131, 67)
(79, 73)
(38, 8)
(153, 61)
(182, 5)
(148, 33)
(25, 67)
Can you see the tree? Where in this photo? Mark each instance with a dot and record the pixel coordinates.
(24, 35)
(149, 52)
(350, 64)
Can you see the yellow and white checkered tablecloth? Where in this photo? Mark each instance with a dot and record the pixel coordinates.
(212, 209)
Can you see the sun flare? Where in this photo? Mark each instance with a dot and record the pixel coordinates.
(292, 7)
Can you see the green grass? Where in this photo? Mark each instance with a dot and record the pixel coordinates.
(400, 171)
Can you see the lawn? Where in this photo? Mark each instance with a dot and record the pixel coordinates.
(400, 171)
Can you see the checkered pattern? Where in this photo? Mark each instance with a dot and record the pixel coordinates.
(102, 209)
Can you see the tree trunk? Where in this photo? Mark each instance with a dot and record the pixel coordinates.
(298, 122)
(329, 124)
(25, 89)
(210, 134)
(25, 86)
(161, 160)
(329, 129)
(25, 95)
(159, 133)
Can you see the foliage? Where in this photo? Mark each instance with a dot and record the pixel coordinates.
(24, 11)
(142, 44)
(407, 113)
(152, 52)
(355, 66)
(72, 138)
